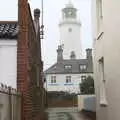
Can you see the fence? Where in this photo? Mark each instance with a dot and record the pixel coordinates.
(61, 99)
(10, 103)
(87, 102)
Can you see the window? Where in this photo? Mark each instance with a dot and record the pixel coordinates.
(83, 78)
(70, 13)
(103, 100)
(68, 66)
(68, 79)
(53, 79)
(83, 67)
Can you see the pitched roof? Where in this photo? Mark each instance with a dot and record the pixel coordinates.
(59, 68)
(8, 29)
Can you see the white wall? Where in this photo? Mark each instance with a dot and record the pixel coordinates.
(108, 46)
(8, 62)
(9, 104)
(61, 85)
(81, 102)
(71, 40)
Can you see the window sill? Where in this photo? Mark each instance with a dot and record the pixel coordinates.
(68, 84)
(53, 84)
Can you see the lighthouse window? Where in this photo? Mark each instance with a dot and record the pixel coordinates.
(70, 29)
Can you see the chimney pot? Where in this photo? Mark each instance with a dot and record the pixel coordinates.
(59, 53)
(73, 56)
(88, 53)
(37, 13)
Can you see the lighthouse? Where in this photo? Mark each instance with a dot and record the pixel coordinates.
(69, 27)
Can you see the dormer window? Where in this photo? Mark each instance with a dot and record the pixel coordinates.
(54, 67)
(68, 67)
(83, 67)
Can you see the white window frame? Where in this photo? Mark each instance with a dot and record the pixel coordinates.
(83, 67)
(53, 79)
(68, 79)
(68, 67)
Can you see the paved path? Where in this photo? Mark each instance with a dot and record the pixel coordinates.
(64, 114)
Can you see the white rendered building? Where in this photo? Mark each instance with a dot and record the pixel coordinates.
(69, 27)
(106, 43)
(8, 53)
(67, 74)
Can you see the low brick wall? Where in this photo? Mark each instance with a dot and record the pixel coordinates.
(62, 103)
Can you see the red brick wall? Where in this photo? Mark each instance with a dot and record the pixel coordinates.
(29, 65)
(22, 54)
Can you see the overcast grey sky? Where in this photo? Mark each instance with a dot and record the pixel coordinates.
(52, 14)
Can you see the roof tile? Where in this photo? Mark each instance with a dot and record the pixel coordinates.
(8, 29)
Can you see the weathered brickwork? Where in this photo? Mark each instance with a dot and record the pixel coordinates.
(29, 65)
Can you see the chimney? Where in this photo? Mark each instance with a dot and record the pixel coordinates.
(72, 56)
(89, 53)
(36, 20)
(59, 54)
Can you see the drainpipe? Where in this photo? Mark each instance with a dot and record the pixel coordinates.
(10, 103)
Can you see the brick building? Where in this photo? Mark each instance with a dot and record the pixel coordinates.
(24, 35)
(29, 64)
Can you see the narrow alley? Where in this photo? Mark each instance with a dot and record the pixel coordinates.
(65, 113)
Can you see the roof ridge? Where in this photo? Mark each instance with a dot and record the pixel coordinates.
(8, 21)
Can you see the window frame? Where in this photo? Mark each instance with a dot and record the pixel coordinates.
(83, 68)
(68, 68)
(68, 79)
(53, 80)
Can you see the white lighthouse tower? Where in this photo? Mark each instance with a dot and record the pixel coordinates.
(69, 28)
